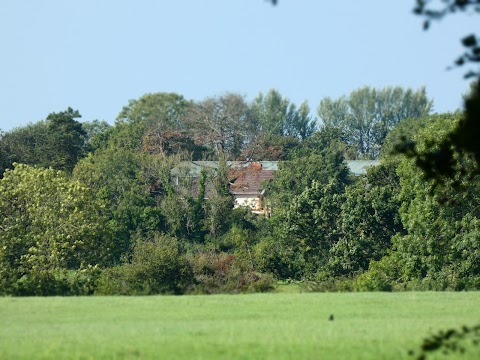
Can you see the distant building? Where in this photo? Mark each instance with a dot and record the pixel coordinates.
(248, 178)
(246, 184)
(359, 167)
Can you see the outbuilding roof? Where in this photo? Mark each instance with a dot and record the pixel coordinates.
(194, 168)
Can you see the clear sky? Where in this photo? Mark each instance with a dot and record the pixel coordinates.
(95, 55)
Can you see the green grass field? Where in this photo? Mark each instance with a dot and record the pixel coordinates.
(258, 326)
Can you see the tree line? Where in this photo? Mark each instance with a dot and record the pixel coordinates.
(89, 208)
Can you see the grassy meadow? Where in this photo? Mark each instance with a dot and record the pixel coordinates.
(257, 326)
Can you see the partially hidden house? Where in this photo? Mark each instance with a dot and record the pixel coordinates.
(246, 184)
(247, 179)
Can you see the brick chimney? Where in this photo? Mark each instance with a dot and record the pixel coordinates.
(256, 165)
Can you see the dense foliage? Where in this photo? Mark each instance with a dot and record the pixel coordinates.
(367, 115)
(89, 208)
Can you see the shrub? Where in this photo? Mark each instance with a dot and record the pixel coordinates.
(84, 281)
(224, 273)
(382, 275)
(325, 282)
(444, 280)
(283, 262)
(43, 283)
(56, 282)
(156, 267)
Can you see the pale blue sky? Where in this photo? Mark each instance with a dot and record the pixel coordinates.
(95, 55)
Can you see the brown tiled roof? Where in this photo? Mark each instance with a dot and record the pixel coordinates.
(248, 180)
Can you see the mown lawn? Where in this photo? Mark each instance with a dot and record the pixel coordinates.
(258, 326)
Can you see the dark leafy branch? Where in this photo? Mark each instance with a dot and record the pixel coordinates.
(450, 341)
(437, 10)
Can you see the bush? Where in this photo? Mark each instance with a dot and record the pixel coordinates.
(444, 280)
(224, 273)
(156, 267)
(84, 281)
(43, 283)
(283, 262)
(56, 283)
(382, 275)
(325, 282)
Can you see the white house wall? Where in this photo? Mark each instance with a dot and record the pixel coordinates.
(250, 201)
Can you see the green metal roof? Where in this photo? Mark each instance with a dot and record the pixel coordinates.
(194, 168)
(359, 167)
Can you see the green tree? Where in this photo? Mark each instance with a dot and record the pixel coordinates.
(369, 219)
(440, 164)
(24, 145)
(309, 225)
(279, 126)
(320, 158)
(307, 194)
(66, 140)
(301, 124)
(277, 116)
(96, 134)
(271, 112)
(167, 108)
(184, 208)
(402, 136)
(153, 113)
(440, 248)
(220, 203)
(57, 142)
(49, 224)
(118, 178)
(367, 115)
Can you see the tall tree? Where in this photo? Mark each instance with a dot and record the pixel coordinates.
(441, 246)
(368, 220)
(57, 142)
(220, 203)
(307, 194)
(96, 134)
(24, 145)
(301, 125)
(221, 123)
(319, 159)
(167, 108)
(66, 140)
(117, 178)
(153, 113)
(367, 115)
(49, 224)
(275, 115)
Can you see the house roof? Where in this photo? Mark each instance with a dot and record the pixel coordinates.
(194, 168)
(247, 177)
(248, 180)
(359, 167)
